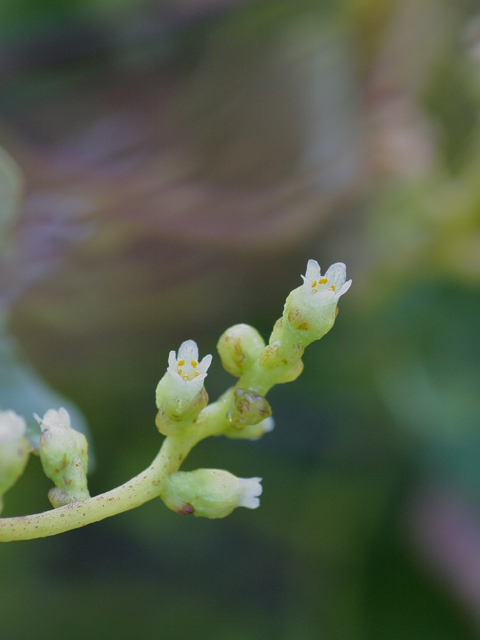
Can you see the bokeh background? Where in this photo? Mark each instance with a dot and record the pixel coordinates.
(168, 167)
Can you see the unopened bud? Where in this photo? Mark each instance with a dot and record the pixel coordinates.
(211, 493)
(14, 449)
(248, 408)
(64, 456)
(239, 347)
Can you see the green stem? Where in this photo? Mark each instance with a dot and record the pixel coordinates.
(143, 487)
(175, 448)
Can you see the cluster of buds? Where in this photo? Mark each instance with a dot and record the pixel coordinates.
(183, 415)
(309, 313)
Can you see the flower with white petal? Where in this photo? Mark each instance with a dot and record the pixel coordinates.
(54, 419)
(320, 290)
(209, 493)
(311, 308)
(186, 368)
(249, 490)
(63, 453)
(180, 393)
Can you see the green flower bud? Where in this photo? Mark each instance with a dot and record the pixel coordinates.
(64, 456)
(180, 394)
(210, 493)
(14, 449)
(311, 309)
(248, 408)
(239, 347)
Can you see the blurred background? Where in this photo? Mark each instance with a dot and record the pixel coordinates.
(167, 168)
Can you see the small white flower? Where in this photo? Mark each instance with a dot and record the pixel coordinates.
(249, 490)
(54, 419)
(186, 369)
(319, 290)
(11, 425)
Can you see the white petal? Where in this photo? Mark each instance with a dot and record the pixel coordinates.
(313, 271)
(323, 297)
(11, 425)
(54, 419)
(250, 488)
(268, 425)
(345, 288)
(336, 274)
(172, 360)
(204, 364)
(188, 351)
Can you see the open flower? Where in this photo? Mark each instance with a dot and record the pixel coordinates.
(180, 393)
(186, 368)
(319, 290)
(311, 308)
(54, 419)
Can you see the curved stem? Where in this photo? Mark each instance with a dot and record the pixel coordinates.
(146, 485)
(143, 487)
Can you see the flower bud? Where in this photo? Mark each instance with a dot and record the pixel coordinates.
(311, 309)
(239, 347)
(248, 408)
(64, 456)
(180, 394)
(211, 493)
(14, 449)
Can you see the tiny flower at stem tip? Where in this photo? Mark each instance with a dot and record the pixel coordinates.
(319, 290)
(311, 309)
(186, 368)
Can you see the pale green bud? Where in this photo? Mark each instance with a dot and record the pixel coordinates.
(210, 493)
(64, 456)
(180, 394)
(14, 449)
(311, 309)
(239, 347)
(248, 408)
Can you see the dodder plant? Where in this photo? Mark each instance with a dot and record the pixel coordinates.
(184, 417)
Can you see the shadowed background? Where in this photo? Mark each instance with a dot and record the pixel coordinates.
(168, 169)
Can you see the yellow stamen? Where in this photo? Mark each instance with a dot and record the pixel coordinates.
(314, 284)
(194, 363)
(181, 363)
(180, 371)
(196, 374)
(323, 281)
(333, 287)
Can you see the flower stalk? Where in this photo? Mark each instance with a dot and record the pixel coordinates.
(185, 418)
